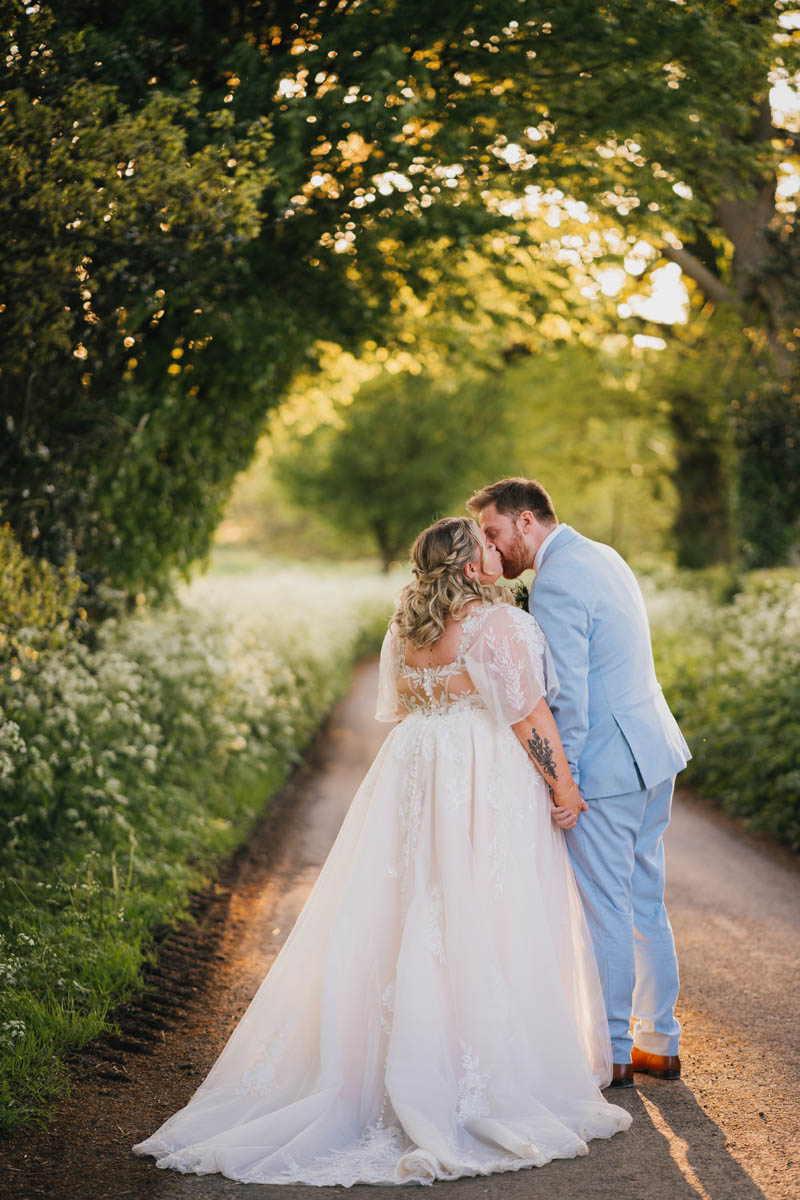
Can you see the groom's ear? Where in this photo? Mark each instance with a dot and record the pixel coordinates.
(526, 521)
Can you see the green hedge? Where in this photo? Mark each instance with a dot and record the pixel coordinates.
(731, 672)
(128, 770)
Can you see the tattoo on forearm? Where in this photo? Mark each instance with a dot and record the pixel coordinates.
(541, 752)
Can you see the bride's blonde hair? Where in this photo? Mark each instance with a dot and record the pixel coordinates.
(440, 588)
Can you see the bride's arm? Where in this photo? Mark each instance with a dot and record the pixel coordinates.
(389, 707)
(509, 665)
(540, 739)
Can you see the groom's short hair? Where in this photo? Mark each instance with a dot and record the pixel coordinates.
(513, 496)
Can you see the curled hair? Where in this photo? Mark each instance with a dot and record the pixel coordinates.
(440, 588)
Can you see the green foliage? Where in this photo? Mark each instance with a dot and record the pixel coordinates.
(766, 423)
(197, 195)
(125, 246)
(409, 448)
(696, 382)
(260, 519)
(127, 771)
(591, 429)
(731, 673)
(735, 432)
(37, 602)
(399, 455)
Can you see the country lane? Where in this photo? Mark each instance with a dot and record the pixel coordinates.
(725, 1131)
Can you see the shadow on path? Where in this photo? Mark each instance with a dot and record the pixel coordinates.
(694, 1142)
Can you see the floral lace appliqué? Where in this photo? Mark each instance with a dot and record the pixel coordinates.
(371, 1160)
(435, 924)
(387, 1008)
(443, 705)
(416, 745)
(259, 1079)
(472, 1087)
(508, 667)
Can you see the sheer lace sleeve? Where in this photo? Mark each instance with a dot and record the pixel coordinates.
(509, 663)
(389, 707)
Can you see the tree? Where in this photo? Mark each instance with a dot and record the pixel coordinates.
(408, 448)
(730, 156)
(587, 424)
(399, 456)
(117, 444)
(277, 174)
(767, 442)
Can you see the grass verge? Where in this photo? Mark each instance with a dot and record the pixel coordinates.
(129, 770)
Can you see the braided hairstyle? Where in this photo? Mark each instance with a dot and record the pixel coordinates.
(440, 589)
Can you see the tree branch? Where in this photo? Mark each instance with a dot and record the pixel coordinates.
(713, 286)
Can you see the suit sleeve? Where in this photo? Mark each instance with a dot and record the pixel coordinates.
(565, 621)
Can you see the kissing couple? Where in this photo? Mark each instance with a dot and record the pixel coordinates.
(461, 983)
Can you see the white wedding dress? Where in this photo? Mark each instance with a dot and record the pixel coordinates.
(436, 1010)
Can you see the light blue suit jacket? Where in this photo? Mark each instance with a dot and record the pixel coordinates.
(618, 732)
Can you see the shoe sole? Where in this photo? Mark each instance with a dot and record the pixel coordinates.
(621, 1083)
(657, 1074)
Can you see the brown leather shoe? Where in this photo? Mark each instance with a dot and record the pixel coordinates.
(622, 1075)
(662, 1066)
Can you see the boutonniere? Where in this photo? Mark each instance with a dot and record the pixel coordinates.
(521, 596)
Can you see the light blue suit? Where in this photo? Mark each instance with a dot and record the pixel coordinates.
(624, 749)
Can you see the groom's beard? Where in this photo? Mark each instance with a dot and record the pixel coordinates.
(515, 558)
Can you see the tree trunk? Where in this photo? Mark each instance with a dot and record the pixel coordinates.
(711, 479)
(704, 521)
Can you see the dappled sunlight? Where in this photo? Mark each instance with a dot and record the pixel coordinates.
(668, 301)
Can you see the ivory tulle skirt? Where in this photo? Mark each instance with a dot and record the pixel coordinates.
(436, 1010)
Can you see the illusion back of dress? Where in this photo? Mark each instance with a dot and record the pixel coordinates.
(494, 669)
(435, 689)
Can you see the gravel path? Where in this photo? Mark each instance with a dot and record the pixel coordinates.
(726, 1130)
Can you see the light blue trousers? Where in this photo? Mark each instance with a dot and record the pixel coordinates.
(617, 855)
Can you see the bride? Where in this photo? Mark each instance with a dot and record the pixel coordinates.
(436, 1010)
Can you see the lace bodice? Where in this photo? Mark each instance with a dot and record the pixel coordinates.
(502, 665)
(438, 690)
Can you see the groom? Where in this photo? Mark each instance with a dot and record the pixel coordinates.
(624, 749)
